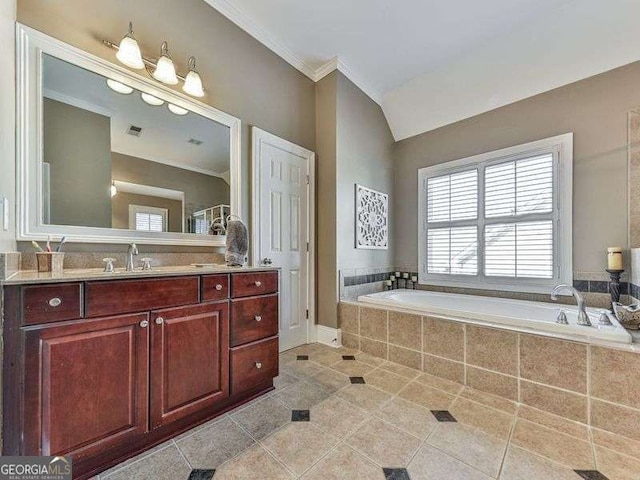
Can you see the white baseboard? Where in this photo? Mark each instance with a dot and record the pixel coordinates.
(329, 336)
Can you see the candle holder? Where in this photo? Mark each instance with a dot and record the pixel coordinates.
(614, 285)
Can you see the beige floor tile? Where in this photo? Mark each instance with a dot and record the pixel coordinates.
(405, 357)
(374, 361)
(552, 400)
(426, 396)
(563, 425)
(326, 358)
(487, 419)
(385, 444)
(331, 380)
(401, 370)
(432, 464)
(353, 368)
(440, 383)
(284, 380)
(489, 400)
(387, 381)
(344, 463)
(616, 466)
(165, 462)
(299, 445)
(249, 463)
(470, 445)
(522, 465)
(615, 442)
(302, 395)
(263, 417)
(302, 369)
(338, 417)
(214, 445)
(554, 445)
(408, 416)
(287, 357)
(364, 396)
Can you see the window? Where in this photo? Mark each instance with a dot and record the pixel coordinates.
(500, 220)
(147, 219)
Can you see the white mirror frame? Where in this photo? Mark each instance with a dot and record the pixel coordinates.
(30, 47)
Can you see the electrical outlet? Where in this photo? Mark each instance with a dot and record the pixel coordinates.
(5, 213)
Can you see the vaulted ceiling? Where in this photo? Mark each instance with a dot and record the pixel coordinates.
(429, 63)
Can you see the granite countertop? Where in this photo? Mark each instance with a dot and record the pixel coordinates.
(25, 277)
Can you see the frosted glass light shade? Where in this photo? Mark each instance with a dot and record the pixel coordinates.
(165, 71)
(119, 87)
(151, 100)
(193, 82)
(129, 52)
(113, 190)
(176, 109)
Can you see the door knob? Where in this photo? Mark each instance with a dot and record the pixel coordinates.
(258, 283)
(258, 365)
(144, 323)
(258, 318)
(218, 287)
(159, 321)
(55, 302)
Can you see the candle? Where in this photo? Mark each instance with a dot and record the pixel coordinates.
(397, 274)
(392, 278)
(414, 278)
(614, 258)
(388, 283)
(405, 275)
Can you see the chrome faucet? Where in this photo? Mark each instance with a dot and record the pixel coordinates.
(583, 318)
(131, 251)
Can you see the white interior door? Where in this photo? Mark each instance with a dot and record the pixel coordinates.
(282, 229)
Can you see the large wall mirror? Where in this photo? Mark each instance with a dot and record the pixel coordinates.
(106, 155)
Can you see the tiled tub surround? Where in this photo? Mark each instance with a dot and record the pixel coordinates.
(589, 384)
(340, 414)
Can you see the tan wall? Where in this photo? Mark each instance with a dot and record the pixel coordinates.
(120, 209)
(77, 146)
(594, 109)
(241, 76)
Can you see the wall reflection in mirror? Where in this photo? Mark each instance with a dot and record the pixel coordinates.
(114, 157)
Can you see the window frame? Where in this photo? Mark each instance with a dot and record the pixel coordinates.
(561, 147)
(135, 209)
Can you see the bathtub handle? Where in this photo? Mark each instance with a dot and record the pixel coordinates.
(562, 318)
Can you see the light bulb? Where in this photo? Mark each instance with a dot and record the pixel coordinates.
(113, 189)
(165, 71)
(176, 109)
(129, 51)
(119, 87)
(193, 82)
(151, 100)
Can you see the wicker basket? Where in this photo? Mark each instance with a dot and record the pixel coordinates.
(628, 316)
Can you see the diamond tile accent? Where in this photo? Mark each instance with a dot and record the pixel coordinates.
(302, 357)
(201, 474)
(300, 415)
(348, 357)
(443, 416)
(591, 474)
(396, 474)
(357, 380)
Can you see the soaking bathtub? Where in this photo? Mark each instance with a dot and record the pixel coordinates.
(539, 317)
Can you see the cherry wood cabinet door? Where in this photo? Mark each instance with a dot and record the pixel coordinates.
(86, 385)
(189, 360)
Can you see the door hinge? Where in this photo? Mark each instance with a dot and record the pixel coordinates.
(307, 317)
(307, 246)
(307, 179)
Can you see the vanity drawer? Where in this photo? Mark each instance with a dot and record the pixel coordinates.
(112, 297)
(52, 303)
(250, 284)
(253, 319)
(253, 364)
(215, 287)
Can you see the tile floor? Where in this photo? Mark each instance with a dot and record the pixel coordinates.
(344, 415)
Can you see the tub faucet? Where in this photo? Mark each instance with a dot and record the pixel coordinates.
(583, 318)
(131, 251)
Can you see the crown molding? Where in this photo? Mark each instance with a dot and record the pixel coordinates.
(243, 21)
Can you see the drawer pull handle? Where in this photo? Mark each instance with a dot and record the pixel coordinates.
(258, 365)
(218, 287)
(258, 318)
(144, 323)
(258, 283)
(55, 302)
(159, 321)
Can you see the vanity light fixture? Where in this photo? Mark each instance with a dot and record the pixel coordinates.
(193, 82)
(151, 100)
(119, 87)
(165, 71)
(176, 109)
(129, 51)
(113, 189)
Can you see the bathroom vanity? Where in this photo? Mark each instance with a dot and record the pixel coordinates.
(104, 367)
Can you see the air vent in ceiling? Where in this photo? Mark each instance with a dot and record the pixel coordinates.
(193, 141)
(135, 131)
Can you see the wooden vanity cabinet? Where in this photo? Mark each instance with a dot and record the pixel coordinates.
(131, 369)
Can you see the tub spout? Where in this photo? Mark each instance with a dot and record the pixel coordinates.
(583, 318)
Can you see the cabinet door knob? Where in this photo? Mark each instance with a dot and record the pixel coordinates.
(218, 287)
(258, 365)
(258, 283)
(144, 323)
(258, 318)
(55, 302)
(159, 321)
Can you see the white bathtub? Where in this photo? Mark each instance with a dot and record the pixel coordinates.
(537, 317)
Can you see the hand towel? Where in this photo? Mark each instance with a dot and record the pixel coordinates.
(237, 243)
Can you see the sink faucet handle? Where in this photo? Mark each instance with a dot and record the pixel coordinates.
(108, 267)
(146, 263)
